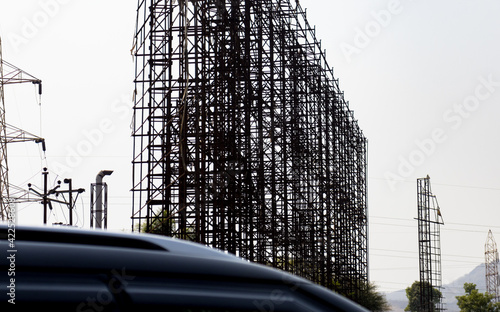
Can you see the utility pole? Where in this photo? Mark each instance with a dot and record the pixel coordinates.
(47, 202)
(70, 204)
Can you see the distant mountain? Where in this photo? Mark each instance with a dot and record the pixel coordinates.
(398, 299)
(456, 288)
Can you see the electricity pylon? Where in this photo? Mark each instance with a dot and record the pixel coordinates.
(491, 266)
(10, 74)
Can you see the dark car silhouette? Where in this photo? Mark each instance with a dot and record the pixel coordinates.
(67, 269)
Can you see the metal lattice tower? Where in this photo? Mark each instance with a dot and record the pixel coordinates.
(4, 177)
(491, 263)
(243, 140)
(429, 239)
(10, 74)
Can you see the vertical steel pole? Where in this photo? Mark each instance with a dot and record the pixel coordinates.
(45, 173)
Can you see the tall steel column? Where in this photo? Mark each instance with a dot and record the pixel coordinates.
(243, 140)
(429, 222)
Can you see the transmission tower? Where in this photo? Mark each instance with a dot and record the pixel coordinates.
(243, 139)
(491, 263)
(429, 222)
(10, 74)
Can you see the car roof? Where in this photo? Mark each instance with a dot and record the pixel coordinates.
(102, 248)
(73, 235)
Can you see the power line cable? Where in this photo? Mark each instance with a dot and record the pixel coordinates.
(443, 184)
(444, 227)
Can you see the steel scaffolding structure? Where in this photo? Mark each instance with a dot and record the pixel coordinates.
(429, 239)
(243, 140)
(491, 267)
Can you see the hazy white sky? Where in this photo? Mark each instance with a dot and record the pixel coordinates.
(422, 77)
